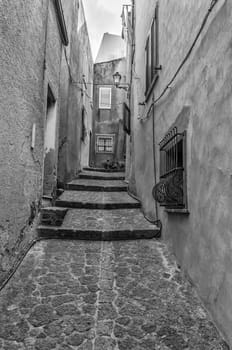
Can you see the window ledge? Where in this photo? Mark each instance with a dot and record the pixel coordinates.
(178, 211)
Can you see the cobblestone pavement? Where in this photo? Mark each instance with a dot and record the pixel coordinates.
(102, 296)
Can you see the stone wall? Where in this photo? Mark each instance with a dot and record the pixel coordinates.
(30, 62)
(109, 121)
(199, 100)
(22, 47)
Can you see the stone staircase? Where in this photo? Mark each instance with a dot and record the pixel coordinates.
(96, 206)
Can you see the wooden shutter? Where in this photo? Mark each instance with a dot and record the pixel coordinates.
(105, 98)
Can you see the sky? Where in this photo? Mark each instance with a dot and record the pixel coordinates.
(103, 16)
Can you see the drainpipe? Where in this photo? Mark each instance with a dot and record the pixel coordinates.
(154, 160)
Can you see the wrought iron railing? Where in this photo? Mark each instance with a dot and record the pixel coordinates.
(169, 192)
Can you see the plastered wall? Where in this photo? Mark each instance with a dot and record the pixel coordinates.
(27, 66)
(200, 101)
(21, 94)
(73, 152)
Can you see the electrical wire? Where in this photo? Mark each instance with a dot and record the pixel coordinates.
(168, 86)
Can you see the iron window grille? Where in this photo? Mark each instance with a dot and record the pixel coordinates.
(152, 54)
(105, 144)
(171, 190)
(105, 98)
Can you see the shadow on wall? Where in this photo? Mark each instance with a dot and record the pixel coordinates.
(49, 172)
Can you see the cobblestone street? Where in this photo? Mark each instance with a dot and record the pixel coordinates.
(102, 296)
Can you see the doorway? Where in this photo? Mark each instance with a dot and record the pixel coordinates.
(50, 168)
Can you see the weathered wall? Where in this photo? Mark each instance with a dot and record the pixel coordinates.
(64, 91)
(201, 100)
(73, 152)
(27, 66)
(21, 94)
(84, 69)
(109, 121)
(53, 52)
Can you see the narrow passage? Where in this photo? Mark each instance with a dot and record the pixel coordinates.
(98, 284)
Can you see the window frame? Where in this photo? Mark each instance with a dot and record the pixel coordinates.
(152, 54)
(100, 105)
(106, 136)
(173, 172)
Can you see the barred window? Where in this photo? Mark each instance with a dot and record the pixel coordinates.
(171, 190)
(105, 97)
(105, 143)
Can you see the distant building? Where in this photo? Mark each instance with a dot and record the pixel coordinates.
(112, 47)
(181, 161)
(108, 139)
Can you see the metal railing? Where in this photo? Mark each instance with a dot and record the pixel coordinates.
(169, 192)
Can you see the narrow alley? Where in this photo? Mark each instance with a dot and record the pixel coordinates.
(106, 292)
(115, 175)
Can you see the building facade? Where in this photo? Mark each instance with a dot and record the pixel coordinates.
(36, 49)
(109, 141)
(181, 166)
(76, 108)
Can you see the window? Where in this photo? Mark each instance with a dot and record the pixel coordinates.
(105, 143)
(171, 190)
(105, 97)
(151, 54)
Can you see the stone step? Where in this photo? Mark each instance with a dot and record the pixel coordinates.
(97, 185)
(97, 200)
(87, 224)
(102, 170)
(101, 175)
(52, 216)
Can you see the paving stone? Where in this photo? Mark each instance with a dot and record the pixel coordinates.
(45, 344)
(62, 299)
(150, 310)
(106, 311)
(86, 345)
(104, 343)
(84, 323)
(88, 309)
(42, 315)
(67, 309)
(105, 328)
(75, 339)
(123, 320)
(15, 332)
